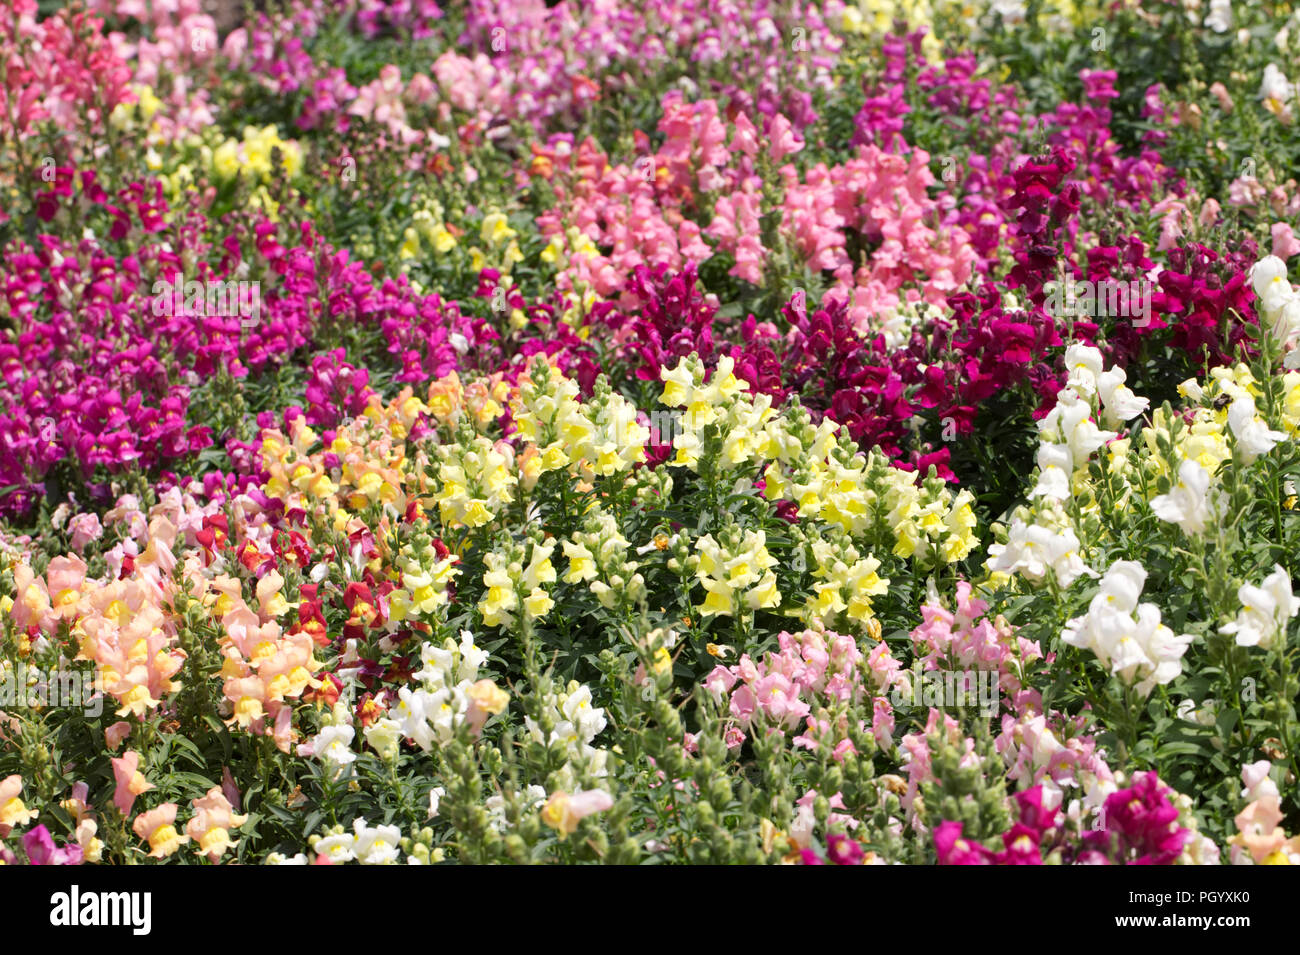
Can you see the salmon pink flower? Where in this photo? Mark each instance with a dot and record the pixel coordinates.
(130, 781)
(563, 812)
(210, 828)
(157, 827)
(12, 811)
(115, 734)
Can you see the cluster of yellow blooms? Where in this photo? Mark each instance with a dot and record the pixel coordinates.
(511, 585)
(829, 479)
(597, 437)
(846, 580)
(252, 154)
(143, 109)
(598, 555)
(430, 225)
(476, 481)
(741, 420)
(501, 243)
(736, 572)
(876, 18)
(469, 479)
(563, 245)
(424, 578)
(1221, 415)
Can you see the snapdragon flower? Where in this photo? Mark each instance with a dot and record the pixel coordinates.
(576, 723)
(1032, 550)
(1265, 611)
(1254, 437)
(1187, 503)
(333, 746)
(736, 572)
(513, 588)
(1138, 650)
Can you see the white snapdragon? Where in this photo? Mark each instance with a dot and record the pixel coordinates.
(1204, 715)
(1219, 19)
(1256, 780)
(532, 798)
(1068, 434)
(1031, 550)
(1265, 611)
(1269, 281)
(1083, 364)
(1275, 89)
(333, 746)
(369, 845)
(1278, 304)
(1254, 437)
(430, 713)
(1055, 468)
(1118, 402)
(1187, 503)
(385, 736)
(1012, 12)
(337, 848)
(376, 845)
(576, 724)
(1139, 650)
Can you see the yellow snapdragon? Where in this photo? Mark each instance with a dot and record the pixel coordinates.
(736, 572)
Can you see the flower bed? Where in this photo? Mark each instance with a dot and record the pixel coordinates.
(691, 433)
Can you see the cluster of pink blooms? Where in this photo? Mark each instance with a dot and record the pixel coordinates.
(1049, 751)
(655, 209)
(176, 46)
(811, 669)
(884, 199)
(59, 69)
(543, 60)
(965, 640)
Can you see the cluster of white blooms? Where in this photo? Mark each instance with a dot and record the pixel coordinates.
(1277, 92)
(1043, 538)
(1032, 550)
(1127, 636)
(533, 798)
(1187, 504)
(1068, 433)
(449, 694)
(369, 845)
(1265, 611)
(333, 744)
(576, 723)
(1219, 17)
